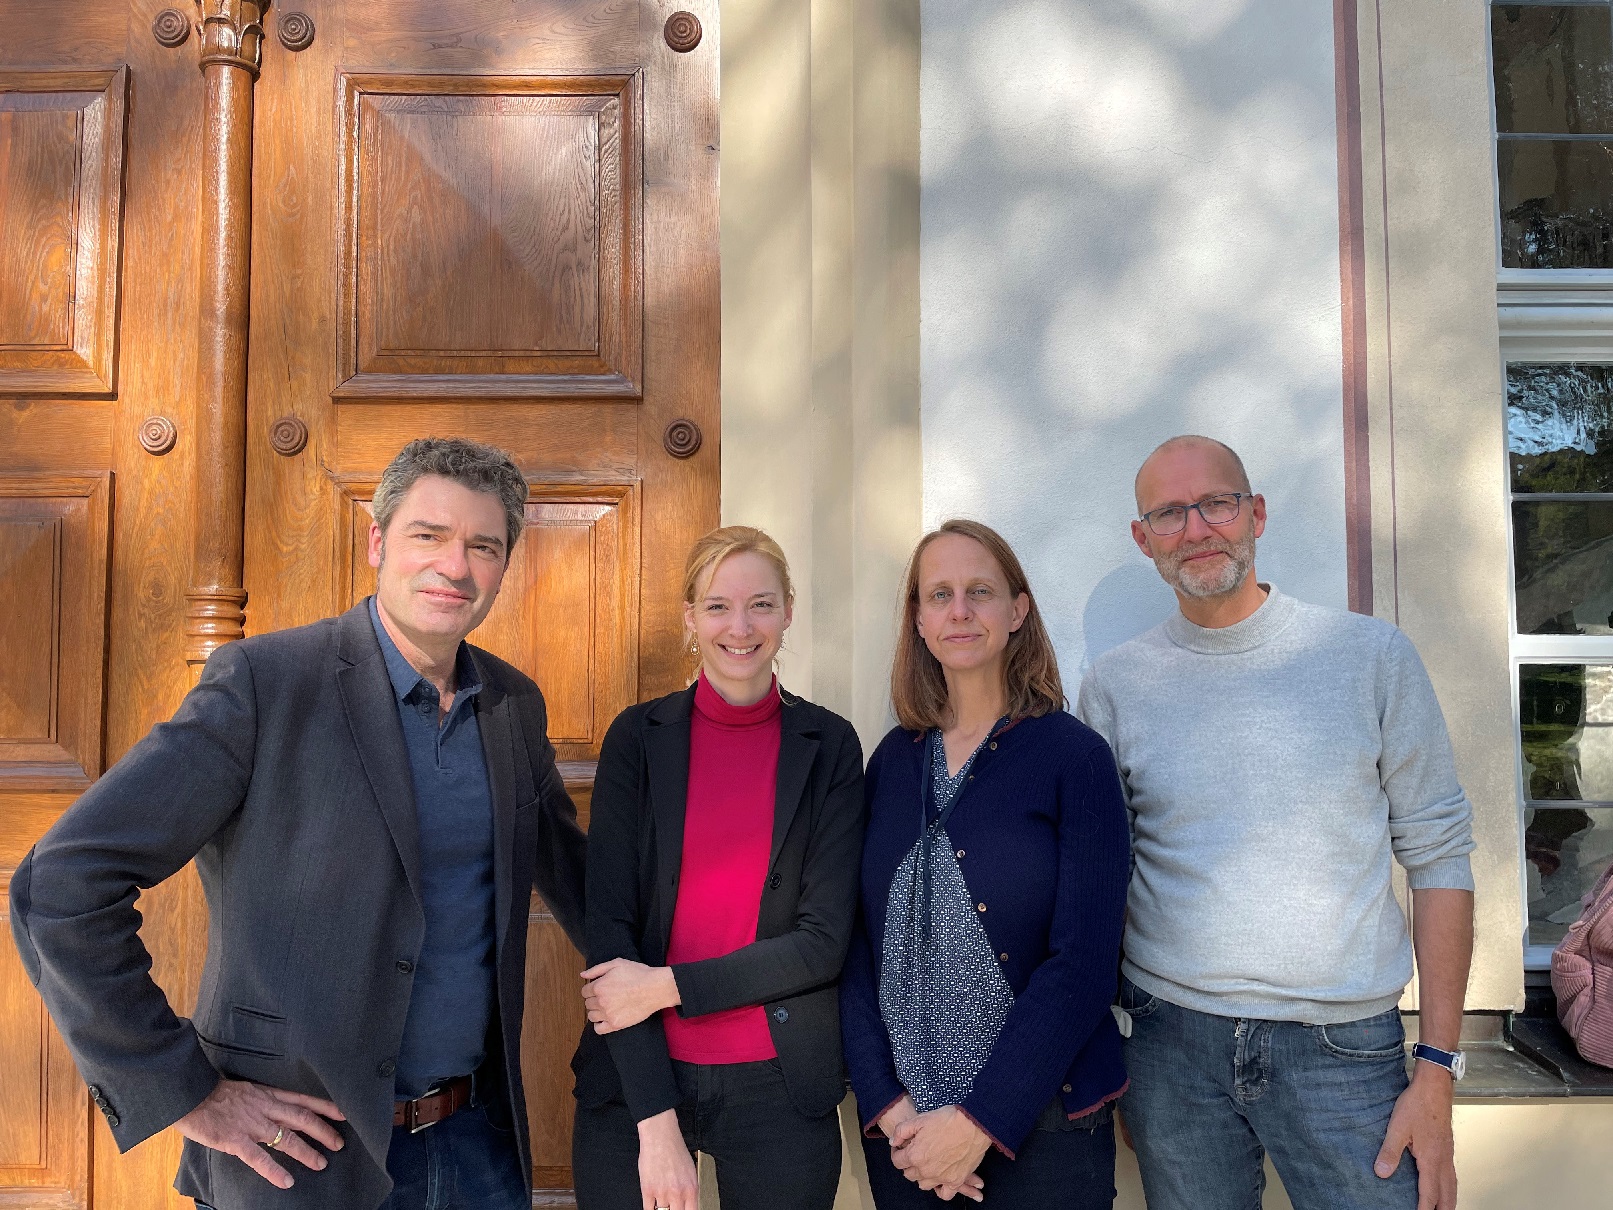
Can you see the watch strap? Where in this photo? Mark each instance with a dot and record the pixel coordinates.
(1452, 1061)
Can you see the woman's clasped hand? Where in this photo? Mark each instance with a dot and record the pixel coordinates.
(939, 1150)
(621, 993)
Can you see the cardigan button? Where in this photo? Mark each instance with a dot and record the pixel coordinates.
(980, 907)
(960, 852)
(993, 745)
(1067, 1088)
(1002, 957)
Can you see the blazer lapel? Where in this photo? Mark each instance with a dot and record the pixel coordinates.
(372, 713)
(498, 748)
(798, 748)
(666, 750)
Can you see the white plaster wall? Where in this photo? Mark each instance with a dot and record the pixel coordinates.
(1129, 217)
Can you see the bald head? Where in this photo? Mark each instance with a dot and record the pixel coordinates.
(1188, 459)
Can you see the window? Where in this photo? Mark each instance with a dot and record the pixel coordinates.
(1553, 76)
(1554, 134)
(1560, 454)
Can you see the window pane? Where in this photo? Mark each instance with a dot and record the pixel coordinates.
(1553, 69)
(1567, 850)
(1562, 555)
(1555, 203)
(1560, 427)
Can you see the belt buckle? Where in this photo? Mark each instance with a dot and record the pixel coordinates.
(413, 1112)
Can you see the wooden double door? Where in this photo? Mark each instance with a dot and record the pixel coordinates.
(489, 218)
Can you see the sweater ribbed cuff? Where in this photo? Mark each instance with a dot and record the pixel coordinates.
(1446, 874)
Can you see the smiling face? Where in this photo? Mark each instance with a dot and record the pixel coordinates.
(965, 611)
(738, 620)
(1201, 560)
(440, 563)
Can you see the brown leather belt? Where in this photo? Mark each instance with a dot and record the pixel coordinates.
(432, 1108)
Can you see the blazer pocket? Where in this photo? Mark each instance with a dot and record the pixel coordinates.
(250, 1031)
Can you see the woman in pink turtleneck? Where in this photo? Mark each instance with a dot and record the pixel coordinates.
(726, 830)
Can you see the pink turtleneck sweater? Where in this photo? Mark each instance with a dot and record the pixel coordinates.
(727, 841)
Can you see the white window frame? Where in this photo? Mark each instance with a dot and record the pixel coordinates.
(1545, 315)
(1566, 318)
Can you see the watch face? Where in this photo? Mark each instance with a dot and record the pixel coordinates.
(1458, 1065)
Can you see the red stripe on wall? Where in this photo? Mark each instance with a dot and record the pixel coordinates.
(1353, 295)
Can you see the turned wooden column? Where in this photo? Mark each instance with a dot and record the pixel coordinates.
(231, 51)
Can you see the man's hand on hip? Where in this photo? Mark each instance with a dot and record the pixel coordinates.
(1422, 1122)
(245, 1120)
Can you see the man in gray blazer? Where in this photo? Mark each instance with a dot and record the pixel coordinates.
(369, 801)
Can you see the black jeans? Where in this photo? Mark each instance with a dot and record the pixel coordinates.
(1062, 1165)
(769, 1156)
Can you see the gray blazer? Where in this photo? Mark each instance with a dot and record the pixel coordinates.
(284, 775)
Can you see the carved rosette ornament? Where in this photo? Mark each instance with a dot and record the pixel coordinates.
(232, 33)
(171, 28)
(288, 436)
(682, 32)
(682, 438)
(295, 31)
(157, 435)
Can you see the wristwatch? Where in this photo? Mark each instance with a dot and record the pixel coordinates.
(1453, 1061)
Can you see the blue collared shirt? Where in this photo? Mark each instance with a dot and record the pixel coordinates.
(445, 1034)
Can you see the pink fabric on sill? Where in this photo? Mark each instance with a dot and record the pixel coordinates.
(1582, 976)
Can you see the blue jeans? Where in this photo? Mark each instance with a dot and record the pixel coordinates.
(1210, 1096)
(466, 1162)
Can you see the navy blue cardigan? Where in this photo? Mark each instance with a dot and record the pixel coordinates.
(1042, 838)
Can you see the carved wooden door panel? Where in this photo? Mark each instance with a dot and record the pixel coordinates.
(478, 217)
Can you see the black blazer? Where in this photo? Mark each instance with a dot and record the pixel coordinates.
(284, 774)
(635, 853)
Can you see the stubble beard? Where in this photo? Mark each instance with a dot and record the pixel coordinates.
(1218, 581)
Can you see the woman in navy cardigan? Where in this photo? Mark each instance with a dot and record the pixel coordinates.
(975, 1002)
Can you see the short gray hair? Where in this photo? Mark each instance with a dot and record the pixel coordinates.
(482, 468)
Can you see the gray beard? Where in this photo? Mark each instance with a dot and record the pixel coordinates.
(1226, 579)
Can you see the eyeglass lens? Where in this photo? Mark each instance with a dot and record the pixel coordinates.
(1216, 510)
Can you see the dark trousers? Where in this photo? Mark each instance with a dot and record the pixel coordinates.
(1062, 1165)
(768, 1155)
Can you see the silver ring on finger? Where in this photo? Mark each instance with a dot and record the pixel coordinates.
(279, 1137)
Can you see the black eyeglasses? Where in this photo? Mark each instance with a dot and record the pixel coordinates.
(1216, 510)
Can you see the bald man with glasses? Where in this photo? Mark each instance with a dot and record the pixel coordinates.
(1277, 757)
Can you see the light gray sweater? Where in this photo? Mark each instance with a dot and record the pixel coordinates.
(1272, 767)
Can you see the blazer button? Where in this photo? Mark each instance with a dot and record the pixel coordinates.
(993, 745)
(95, 1094)
(113, 1120)
(405, 967)
(980, 907)
(775, 881)
(1002, 957)
(960, 853)
(1067, 1088)
(781, 1015)
(386, 1067)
